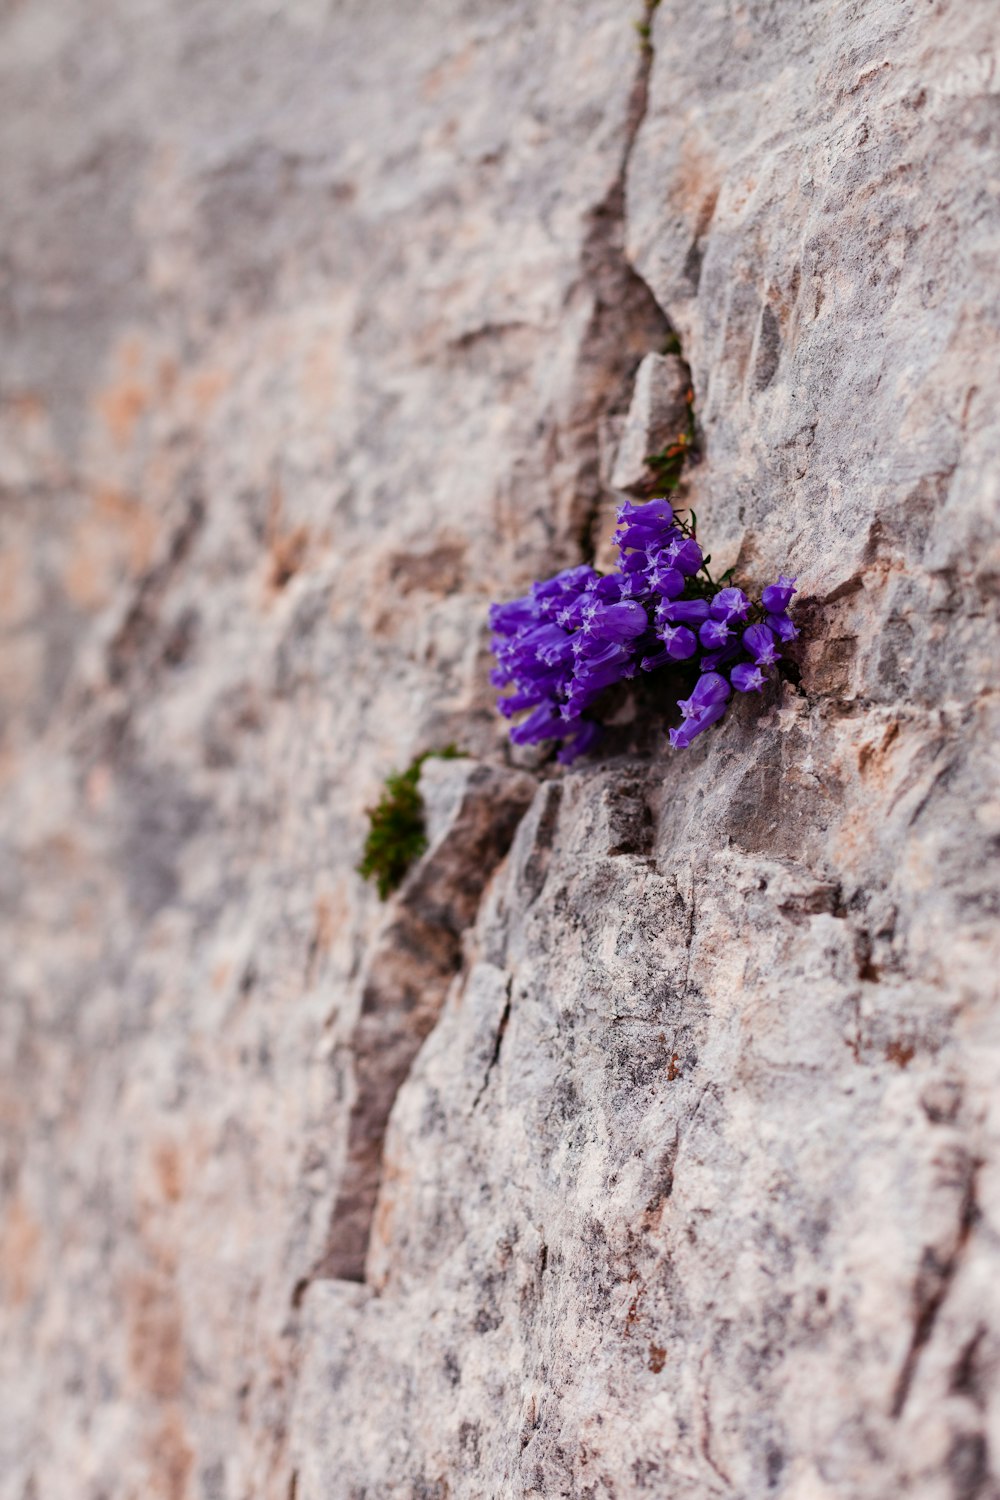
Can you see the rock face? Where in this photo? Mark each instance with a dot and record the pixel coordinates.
(657, 415)
(662, 1156)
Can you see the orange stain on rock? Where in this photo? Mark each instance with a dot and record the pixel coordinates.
(20, 1239)
(115, 536)
(154, 1336)
(168, 1170)
(170, 1457)
(287, 545)
(132, 522)
(27, 407)
(873, 755)
(121, 405)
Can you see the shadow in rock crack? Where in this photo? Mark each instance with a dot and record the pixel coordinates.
(414, 959)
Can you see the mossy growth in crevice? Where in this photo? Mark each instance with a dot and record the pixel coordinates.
(396, 833)
(645, 26)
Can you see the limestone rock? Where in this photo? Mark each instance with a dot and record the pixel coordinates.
(657, 417)
(472, 812)
(668, 1144)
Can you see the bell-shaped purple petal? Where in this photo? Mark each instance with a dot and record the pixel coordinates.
(636, 535)
(758, 642)
(713, 661)
(659, 511)
(609, 588)
(682, 736)
(730, 604)
(688, 556)
(592, 677)
(777, 596)
(665, 580)
(544, 724)
(618, 622)
(710, 689)
(516, 615)
(549, 644)
(714, 634)
(679, 642)
(682, 611)
(782, 627)
(747, 679)
(516, 703)
(585, 738)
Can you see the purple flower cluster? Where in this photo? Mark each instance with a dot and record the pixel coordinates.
(566, 640)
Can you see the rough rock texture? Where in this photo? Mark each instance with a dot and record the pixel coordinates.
(312, 319)
(471, 814)
(656, 417)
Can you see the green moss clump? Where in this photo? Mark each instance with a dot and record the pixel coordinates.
(396, 833)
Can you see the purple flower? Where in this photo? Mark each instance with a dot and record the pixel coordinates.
(639, 536)
(747, 679)
(679, 642)
(508, 618)
(657, 659)
(714, 661)
(730, 604)
(687, 555)
(711, 690)
(782, 627)
(586, 735)
(559, 646)
(591, 652)
(553, 594)
(550, 644)
(682, 736)
(758, 642)
(610, 588)
(544, 724)
(777, 596)
(665, 580)
(714, 634)
(617, 622)
(682, 611)
(659, 511)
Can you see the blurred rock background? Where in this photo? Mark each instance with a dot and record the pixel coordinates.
(320, 322)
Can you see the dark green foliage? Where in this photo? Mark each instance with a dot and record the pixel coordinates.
(396, 836)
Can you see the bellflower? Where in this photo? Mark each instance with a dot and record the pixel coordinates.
(777, 596)
(747, 679)
(713, 634)
(730, 604)
(782, 627)
(617, 622)
(679, 642)
(759, 641)
(559, 647)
